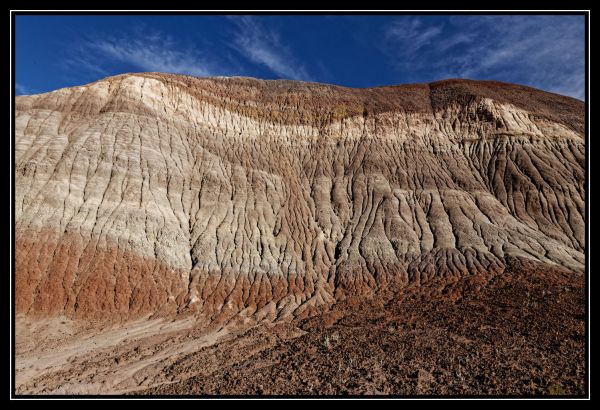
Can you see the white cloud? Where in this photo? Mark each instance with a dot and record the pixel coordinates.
(155, 51)
(542, 51)
(22, 90)
(412, 34)
(146, 51)
(86, 61)
(154, 54)
(263, 46)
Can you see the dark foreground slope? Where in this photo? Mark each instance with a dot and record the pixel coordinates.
(522, 334)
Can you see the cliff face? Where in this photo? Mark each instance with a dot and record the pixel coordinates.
(153, 193)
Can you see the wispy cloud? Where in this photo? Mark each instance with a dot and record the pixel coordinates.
(155, 51)
(22, 90)
(84, 59)
(413, 34)
(154, 54)
(542, 51)
(264, 46)
(146, 51)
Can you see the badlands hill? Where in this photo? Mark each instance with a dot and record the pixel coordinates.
(221, 197)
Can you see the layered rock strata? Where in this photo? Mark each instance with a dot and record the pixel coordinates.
(154, 193)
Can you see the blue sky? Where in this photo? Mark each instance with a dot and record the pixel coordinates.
(545, 52)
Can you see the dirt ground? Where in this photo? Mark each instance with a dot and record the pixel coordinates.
(520, 333)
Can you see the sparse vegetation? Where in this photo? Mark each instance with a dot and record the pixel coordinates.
(556, 390)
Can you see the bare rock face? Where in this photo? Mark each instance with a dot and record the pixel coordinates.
(153, 193)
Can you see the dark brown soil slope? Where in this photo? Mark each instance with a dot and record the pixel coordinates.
(521, 334)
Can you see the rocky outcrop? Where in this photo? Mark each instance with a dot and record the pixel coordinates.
(153, 193)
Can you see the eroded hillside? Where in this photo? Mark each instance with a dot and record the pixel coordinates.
(160, 194)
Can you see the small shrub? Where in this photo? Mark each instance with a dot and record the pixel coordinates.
(556, 390)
